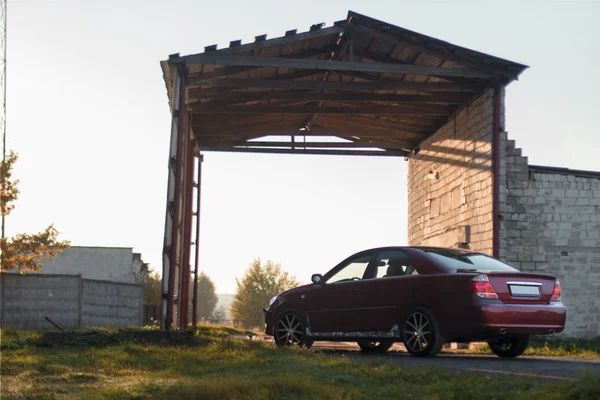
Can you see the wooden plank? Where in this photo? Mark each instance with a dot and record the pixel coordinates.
(388, 153)
(367, 122)
(422, 48)
(332, 30)
(339, 85)
(207, 108)
(328, 121)
(323, 65)
(437, 98)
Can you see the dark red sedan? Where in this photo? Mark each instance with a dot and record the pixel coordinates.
(423, 297)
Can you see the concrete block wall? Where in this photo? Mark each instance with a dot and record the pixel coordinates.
(111, 304)
(68, 300)
(450, 182)
(26, 300)
(551, 225)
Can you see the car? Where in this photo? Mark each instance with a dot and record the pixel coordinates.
(420, 296)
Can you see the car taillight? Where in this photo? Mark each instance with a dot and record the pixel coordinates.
(556, 291)
(481, 287)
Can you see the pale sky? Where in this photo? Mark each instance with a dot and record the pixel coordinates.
(88, 114)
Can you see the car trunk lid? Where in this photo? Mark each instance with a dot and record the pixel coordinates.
(522, 288)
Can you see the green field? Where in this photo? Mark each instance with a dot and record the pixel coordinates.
(206, 364)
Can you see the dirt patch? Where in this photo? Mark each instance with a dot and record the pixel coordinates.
(102, 338)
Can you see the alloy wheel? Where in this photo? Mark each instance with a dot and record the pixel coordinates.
(417, 332)
(289, 331)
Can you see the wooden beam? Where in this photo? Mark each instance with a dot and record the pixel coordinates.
(208, 108)
(240, 121)
(340, 130)
(437, 98)
(323, 65)
(201, 78)
(387, 153)
(356, 143)
(339, 85)
(296, 144)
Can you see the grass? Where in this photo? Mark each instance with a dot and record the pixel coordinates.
(208, 365)
(579, 348)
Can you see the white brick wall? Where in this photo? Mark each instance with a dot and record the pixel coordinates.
(458, 191)
(550, 219)
(551, 225)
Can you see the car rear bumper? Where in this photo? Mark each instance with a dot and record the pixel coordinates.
(544, 319)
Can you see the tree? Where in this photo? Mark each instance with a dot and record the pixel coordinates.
(207, 298)
(218, 316)
(153, 289)
(253, 292)
(23, 252)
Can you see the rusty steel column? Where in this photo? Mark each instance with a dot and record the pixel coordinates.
(188, 191)
(175, 208)
(496, 171)
(197, 242)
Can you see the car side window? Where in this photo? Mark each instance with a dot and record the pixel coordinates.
(393, 263)
(354, 269)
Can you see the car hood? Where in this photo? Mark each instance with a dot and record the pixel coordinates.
(297, 289)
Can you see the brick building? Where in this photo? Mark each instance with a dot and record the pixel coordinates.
(548, 220)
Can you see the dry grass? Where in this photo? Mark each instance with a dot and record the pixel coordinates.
(207, 365)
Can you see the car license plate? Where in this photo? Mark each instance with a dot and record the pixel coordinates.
(524, 291)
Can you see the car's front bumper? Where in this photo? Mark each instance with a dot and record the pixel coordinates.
(269, 330)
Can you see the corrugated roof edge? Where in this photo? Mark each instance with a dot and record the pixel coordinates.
(520, 67)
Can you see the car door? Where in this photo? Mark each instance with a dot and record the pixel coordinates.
(331, 306)
(390, 287)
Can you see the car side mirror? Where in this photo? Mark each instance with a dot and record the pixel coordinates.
(317, 279)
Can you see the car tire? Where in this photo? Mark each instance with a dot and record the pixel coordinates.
(369, 346)
(421, 333)
(290, 330)
(509, 346)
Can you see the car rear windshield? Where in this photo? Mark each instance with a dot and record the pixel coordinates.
(469, 261)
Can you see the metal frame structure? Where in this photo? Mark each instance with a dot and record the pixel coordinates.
(360, 87)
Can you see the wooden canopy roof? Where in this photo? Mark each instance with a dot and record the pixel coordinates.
(377, 88)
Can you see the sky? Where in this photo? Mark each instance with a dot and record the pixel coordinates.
(88, 114)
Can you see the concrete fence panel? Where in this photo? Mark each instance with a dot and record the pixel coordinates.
(25, 301)
(111, 304)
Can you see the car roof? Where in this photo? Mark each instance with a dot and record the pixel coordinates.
(454, 251)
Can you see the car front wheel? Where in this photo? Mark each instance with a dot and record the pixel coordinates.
(509, 346)
(290, 331)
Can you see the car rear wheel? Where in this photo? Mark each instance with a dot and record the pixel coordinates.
(509, 346)
(421, 334)
(290, 331)
(369, 346)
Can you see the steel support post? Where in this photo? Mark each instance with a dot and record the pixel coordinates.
(188, 192)
(496, 143)
(174, 199)
(197, 242)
